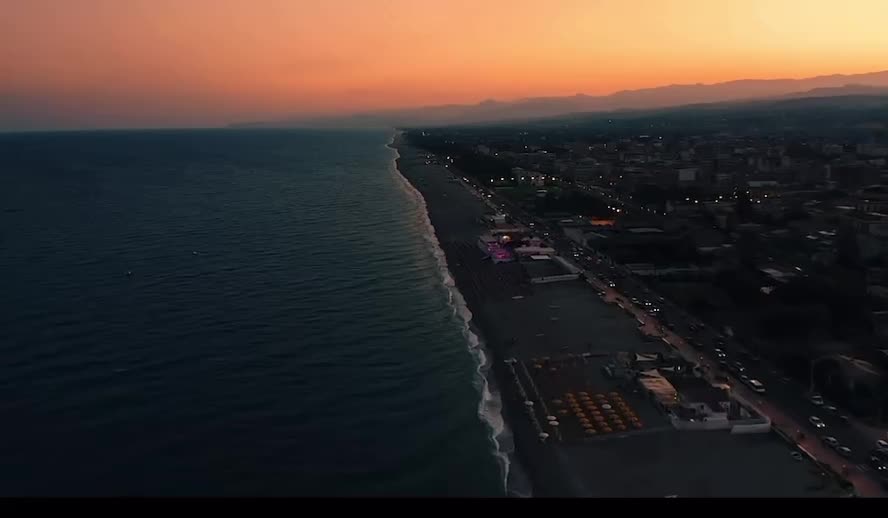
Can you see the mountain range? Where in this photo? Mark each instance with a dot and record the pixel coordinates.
(875, 83)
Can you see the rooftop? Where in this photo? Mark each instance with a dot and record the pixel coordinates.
(697, 390)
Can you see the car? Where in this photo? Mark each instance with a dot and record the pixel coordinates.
(796, 455)
(877, 464)
(830, 441)
(816, 400)
(723, 364)
(816, 422)
(845, 420)
(830, 408)
(756, 386)
(611, 284)
(744, 379)
(738, 367)
(720, 354)
(844, 451)
(882, 445)
(693, 343)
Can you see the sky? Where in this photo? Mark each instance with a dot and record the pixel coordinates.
(169, 63)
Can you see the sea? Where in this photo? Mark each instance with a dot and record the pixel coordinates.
(231, 312)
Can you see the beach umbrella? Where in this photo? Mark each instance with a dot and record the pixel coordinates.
(606, 407)
(607, 429)
(591, 431)
(584, 393)
(543, 436)
(557, 402)
(528, 403)
(551, 418)
(554, 423)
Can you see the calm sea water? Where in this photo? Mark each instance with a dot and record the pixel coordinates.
(283, 330)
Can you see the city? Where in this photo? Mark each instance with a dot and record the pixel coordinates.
(758, 258)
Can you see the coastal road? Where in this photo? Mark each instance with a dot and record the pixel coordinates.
(788, 395)
(787, 411)
(789, 424)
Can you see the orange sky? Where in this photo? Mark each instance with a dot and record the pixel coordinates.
(205, 62)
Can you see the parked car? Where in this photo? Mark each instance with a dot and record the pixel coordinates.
(844, 451)
(816, 400)
(830, 408)
(796, 455)
(816, 422)
(720, 354)
(877, 464)
(830, 441)
(882, 445)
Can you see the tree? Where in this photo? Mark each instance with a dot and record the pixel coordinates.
(848, 249)
(743, 207)
(747, 246)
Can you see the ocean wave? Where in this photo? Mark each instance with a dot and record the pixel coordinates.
(490, 404)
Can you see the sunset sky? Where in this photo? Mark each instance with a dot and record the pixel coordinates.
(132, 63)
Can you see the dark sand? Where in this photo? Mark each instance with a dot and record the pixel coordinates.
(569, 317)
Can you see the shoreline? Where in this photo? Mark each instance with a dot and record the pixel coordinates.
(530, 471)
(490, 406)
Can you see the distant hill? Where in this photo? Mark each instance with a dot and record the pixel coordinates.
(648, 98)
(802, 114)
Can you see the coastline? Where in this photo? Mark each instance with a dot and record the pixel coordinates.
(490, 405)
(453, 222)
(517, 319)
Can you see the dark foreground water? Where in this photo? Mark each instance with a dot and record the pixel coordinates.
(283, 329)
